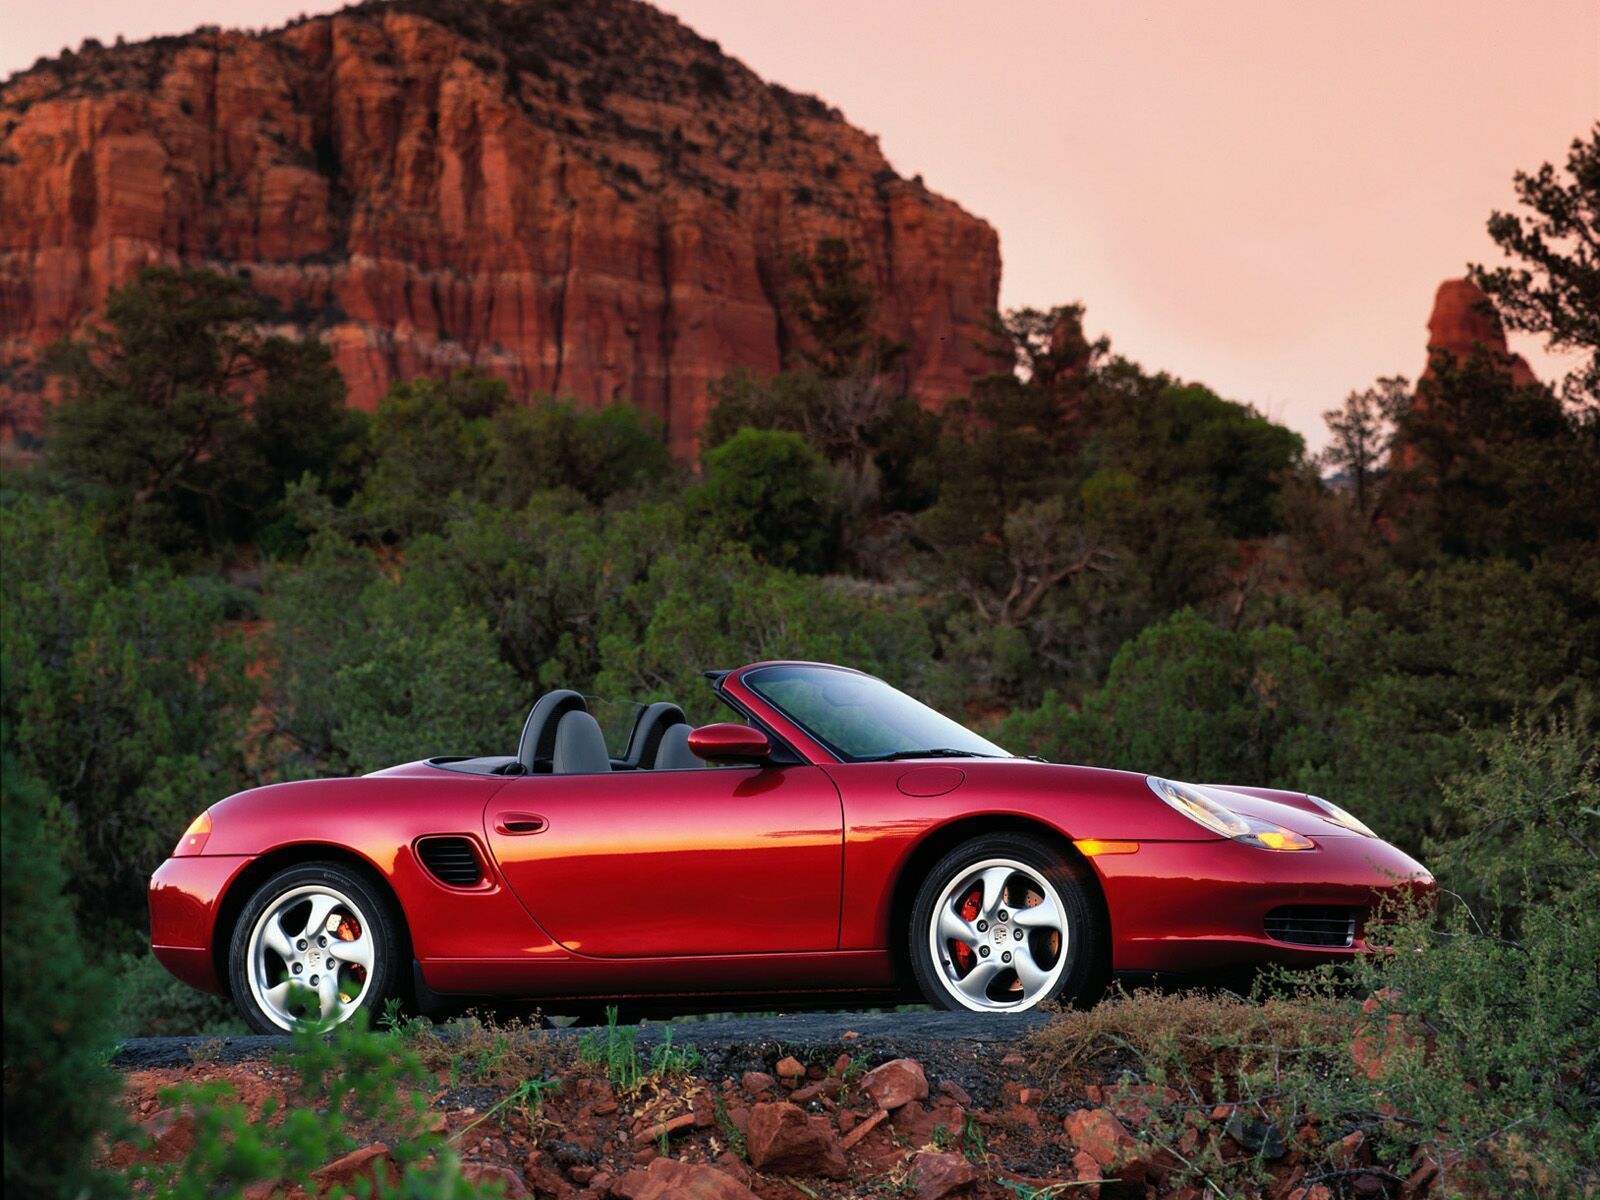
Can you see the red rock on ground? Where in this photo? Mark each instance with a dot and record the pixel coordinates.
(669, 1179)
(512, 1185)
(937, 1175)
(896, 1083)
(791, 1070)
(1098, 1133)
(164, 1136)
(782, 1139)
(757, 1082)
(339, 1177)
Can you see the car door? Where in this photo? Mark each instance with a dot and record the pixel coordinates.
(640, 864)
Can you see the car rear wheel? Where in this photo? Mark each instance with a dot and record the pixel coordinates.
(1004, 923)
(315, 942)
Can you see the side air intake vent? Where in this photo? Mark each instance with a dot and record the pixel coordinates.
(1313, 925)
(451, 860)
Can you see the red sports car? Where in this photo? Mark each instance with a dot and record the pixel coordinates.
(841, 838)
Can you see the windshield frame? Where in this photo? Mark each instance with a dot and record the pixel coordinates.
(749, 679)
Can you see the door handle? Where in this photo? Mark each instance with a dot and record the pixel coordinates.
(517, 824)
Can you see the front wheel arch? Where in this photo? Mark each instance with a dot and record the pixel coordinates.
(247, 881)
(939, 842)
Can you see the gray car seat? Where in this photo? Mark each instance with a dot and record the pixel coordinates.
(674, 754)
(580, 746)
(644, 742)
(538, 742)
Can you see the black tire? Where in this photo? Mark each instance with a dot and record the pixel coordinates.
(384, 979)
(1082, 956)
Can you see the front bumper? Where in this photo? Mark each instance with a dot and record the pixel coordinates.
(1190, 907)
(185, 901)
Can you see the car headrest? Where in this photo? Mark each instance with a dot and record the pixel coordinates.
(645, 740)
(539, 730)
(674, 754)
(580, 746)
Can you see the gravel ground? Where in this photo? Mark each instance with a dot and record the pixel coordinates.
(945, 1042)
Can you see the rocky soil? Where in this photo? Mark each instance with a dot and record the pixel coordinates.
(801, 1108)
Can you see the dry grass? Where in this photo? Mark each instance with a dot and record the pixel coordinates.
(483, 1051)
(1193, 1030)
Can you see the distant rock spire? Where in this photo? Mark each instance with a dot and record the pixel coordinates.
(1463, 321)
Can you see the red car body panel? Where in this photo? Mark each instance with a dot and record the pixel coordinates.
(742, 880)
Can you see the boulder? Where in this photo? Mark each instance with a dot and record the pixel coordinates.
(896, 1083)
(937, 1175)
(782, 1139)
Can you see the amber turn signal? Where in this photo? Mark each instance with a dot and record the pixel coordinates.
(194, 838)
(1091, 847)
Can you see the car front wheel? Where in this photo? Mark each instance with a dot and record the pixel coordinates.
(316, 942)
(1004, 923)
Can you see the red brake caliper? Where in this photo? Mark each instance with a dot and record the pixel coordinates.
(969, 912)
(349, 931)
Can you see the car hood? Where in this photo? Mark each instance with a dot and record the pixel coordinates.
(1099, 802)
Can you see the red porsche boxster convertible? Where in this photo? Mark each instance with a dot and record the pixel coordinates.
(841, 838)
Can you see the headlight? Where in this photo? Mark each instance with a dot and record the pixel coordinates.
(1219, 818)
(1342, 818)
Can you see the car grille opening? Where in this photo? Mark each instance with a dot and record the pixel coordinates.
(451, 860)
(1313, 924)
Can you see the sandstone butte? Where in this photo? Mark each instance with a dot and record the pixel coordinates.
(585, 199)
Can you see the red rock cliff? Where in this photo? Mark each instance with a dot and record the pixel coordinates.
(585, 199)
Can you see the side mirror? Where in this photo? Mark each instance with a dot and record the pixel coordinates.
(729, 742)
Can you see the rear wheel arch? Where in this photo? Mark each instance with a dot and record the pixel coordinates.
(260, 870)
(938, 842)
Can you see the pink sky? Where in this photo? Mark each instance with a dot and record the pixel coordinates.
(1255, 194)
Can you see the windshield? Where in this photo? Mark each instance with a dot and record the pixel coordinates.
(861, 718)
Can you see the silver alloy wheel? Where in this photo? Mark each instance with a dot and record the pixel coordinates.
(999, 936)
(314, 939)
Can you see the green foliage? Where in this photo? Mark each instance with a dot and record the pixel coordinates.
(1495, 468)
(766, 490)
(615, 1049)
(371, 669)
(1554, 288)
(58, 1089)
(834, 305)
(1369, 710)
(345, 1076)
(436, 448)
(150, 1002)
(182, 422)
(127, 698)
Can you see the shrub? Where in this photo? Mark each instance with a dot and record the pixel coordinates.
(58, 1089)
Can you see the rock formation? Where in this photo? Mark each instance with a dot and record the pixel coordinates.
(586, 199)
(1463, 321)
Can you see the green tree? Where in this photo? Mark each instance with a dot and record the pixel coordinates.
(767, 490)
(1361, 436)
(58, 1090)
(371, 668)
(597, 453)
(1554, 288)
(127, 699)
(835, 307)
(183, 420)
(1494, 468)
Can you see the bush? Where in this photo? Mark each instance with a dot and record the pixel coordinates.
(151, 1002)
(766, 490)
(58, 1089)
(126, 698)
